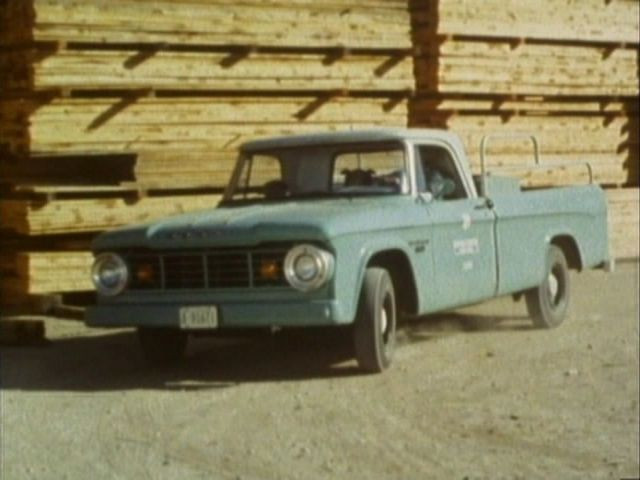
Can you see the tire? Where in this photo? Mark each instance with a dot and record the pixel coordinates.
(548, 303)
(162, 346)
(375, 325)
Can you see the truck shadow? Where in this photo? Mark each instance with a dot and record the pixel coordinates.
(112, 361)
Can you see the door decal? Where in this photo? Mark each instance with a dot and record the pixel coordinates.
(468, 246)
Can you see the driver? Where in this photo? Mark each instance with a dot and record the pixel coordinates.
(435, 181)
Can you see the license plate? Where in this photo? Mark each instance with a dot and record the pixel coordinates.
(198, 317)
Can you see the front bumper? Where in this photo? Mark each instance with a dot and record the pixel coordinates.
(231, 315)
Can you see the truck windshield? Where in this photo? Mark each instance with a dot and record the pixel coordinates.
(320, 171)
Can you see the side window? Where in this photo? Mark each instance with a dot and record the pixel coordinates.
(439, 175)
(374, 169)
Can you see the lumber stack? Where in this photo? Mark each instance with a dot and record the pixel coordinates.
(624, 226)
(115, 112)
(603, 134)
(44, 272)
(566, 72)
(118, 111)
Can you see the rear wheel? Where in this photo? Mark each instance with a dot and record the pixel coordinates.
(375, 326)
(162, 346)
(548, 302)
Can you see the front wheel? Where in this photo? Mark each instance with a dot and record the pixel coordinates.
(162, 346)
(548, 302)
(375, 326)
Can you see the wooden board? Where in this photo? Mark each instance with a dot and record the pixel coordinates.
(609, 143)
(202, 70)
(367, 23)
(499, 67)
(126, 125)
(34, 273)
(568, 20)
(94, 215)
(624, 222)
(426, 104)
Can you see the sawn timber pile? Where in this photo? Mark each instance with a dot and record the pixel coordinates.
(99, 99)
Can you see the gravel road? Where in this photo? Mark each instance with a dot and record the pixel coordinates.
(474, 393)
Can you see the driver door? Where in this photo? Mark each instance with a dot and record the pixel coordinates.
(463, 250)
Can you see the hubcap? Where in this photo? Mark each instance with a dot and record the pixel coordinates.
(383, 321)
(554, 286)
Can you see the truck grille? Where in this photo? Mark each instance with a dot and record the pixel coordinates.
(217, 269)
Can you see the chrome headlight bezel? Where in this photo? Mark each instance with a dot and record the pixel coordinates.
(319, 263)
(118, 265)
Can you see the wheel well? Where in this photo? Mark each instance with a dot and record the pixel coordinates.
(570, 249)
(399, 267)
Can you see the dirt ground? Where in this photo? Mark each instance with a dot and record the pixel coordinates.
(472, 394)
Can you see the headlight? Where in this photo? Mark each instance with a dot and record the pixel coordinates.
(109, 274)
(307, 267)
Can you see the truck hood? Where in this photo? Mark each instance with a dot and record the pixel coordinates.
(250, 225)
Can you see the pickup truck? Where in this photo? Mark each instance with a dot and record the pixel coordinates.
(349, 229)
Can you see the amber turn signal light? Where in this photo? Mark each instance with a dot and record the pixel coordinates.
(269, 270)
(145, 273)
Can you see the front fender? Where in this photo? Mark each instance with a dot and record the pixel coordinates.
(353, 256)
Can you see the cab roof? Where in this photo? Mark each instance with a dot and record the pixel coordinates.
(349, 137)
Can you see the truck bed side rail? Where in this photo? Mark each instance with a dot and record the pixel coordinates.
(536, 156)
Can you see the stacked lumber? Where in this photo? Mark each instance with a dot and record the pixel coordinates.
(209, 69)
(215, 124)
(624, 224)
(367, 23)
(88, 215)
(496, 66)
(567, 20)
(119, 111)
(43, 272)
(566, 71)
(114, 112)
(605, 140)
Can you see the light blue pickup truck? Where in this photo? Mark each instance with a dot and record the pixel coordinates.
(353, 228)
